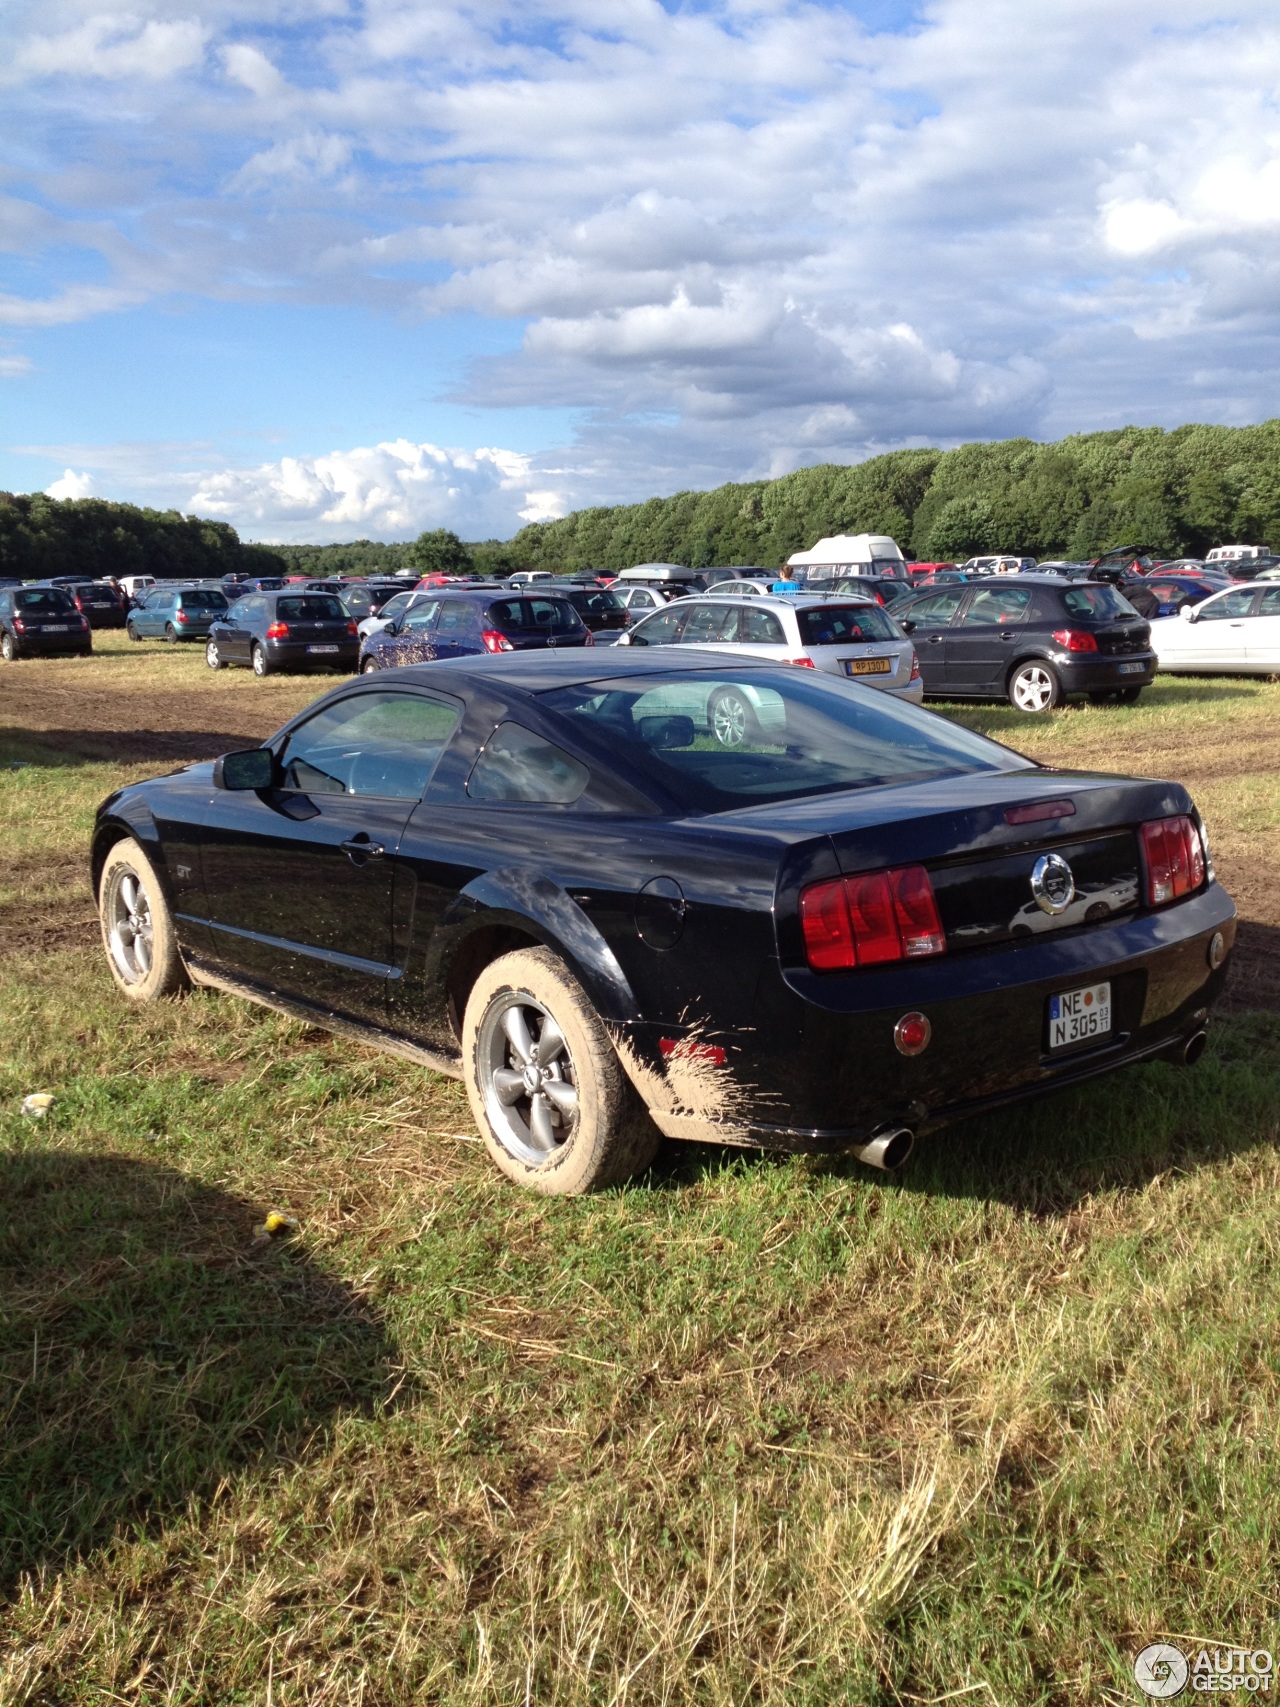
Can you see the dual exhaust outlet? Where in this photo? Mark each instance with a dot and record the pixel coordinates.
(889, 1148)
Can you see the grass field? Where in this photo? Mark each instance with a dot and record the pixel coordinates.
(751, 1430)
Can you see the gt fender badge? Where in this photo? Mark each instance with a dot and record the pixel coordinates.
(1052, 884)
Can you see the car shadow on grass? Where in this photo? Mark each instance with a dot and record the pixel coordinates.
(149, 1348)
(1045, 1156)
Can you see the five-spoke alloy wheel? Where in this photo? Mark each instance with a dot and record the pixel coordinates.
(137, 926)
(1034, 687)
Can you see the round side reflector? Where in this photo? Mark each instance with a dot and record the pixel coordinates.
(912, 1033)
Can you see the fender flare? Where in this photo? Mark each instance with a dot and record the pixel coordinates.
(529, 902)
(114, 826)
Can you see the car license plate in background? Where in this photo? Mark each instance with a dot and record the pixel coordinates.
(867, 666)
(322, 648)
(1079, 1016)
(56, 628)
(1132, 669)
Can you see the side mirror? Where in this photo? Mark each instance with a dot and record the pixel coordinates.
(392, 628)
(907, 623)
(1188, 613)
(255, 769)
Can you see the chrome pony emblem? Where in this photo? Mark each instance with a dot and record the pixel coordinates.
(1052, 884)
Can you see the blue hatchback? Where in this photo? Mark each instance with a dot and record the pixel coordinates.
(468, 622)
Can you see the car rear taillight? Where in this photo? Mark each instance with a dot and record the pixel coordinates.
(1174, 857)
(590, 640)
(915, 668)
(353, 631)
(867, 920)
(19, 627)
(1075, 639)
(495, 641)
(804, 663)
(277, 631)
(181, 616)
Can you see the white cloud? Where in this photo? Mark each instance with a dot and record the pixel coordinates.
(115, 46)
(71, 485)
(393, 490)
(15, 367)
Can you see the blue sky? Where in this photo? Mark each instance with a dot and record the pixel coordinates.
(343, 270)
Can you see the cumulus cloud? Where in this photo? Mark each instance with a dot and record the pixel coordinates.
(734, 236)
(71, 485)
(393, 490)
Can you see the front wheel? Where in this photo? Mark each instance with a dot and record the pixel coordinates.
(261, 664)
(732, 720)
(212, 656)
(1034, 687)
(548, 1093)
(137, 926)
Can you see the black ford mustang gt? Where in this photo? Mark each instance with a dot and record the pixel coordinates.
(543, 873)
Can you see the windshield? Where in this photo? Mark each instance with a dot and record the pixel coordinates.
(839, 625)
(310, 607)
(718, 742)
(1097, 601)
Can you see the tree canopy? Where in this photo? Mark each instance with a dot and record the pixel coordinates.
(42, 536)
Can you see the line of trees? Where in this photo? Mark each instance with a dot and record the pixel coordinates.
(42, 536)
(1180, 492)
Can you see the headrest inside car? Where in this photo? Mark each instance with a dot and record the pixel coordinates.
(666, 731)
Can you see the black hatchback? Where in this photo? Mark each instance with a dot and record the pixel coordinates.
(284, 631)
(1032, 640)
(468, 623)
(37, 621)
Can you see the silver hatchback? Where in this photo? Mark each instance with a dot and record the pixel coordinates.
(845, 636)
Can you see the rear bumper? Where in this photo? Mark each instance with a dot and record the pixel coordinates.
(294, 654)
(1092, 673)
(54, 645)
(819, 1070)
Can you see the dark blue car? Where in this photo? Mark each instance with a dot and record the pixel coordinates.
(1174, 591)
(468, 622)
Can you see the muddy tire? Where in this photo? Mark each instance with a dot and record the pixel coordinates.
(137, 927)
(554, 1107)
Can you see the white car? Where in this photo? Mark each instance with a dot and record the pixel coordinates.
(847, 637)
(1233, 633)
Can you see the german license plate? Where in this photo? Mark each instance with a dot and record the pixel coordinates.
(1078, 1016)
(56, 628)
(322, 648)
(867, 666)
(1132, 669)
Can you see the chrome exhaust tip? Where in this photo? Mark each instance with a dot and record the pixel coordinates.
(888, 1149)
(1194, 1048)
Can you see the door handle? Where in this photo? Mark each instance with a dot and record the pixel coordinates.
(935, 640)
(1007, 634)
(360, 848)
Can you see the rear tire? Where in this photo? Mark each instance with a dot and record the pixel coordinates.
(9, 649)
(132, 632)
(137, 927)
(171, 634)
(1128, 696)
(529, 1024)
(212, 656)
(1035, 687)
(731, 717)
(369, 667)
(261, 663)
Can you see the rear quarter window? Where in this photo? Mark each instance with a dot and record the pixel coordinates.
(516, 764)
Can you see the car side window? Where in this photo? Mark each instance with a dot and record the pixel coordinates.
(709, 623)
(937, 611)
(1237, 603)
(421, 616)
(455, 618)
(516, 764)
(661, 629)
(761, 628)
(1270, 605)
(380, 744)
(994, 606)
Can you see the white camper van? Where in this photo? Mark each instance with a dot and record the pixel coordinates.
(1234, 553)
(849, 554)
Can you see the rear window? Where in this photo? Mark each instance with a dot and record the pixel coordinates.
(843, 625)
(595, 603)
(554, 616)
(722, 741)
(1096, 601)
(311, 607)
(204, 598)
(42, 598)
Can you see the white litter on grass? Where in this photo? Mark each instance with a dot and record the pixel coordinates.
(37, 1105)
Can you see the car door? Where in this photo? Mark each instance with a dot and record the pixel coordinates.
(661, 629)
(983, 639)
(147, 619)
(1217, 637)
(414, 641)
(928, 622)
(234, 633)
(1262, 633)
(454, 633)
(300, 881)
(711, 624)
